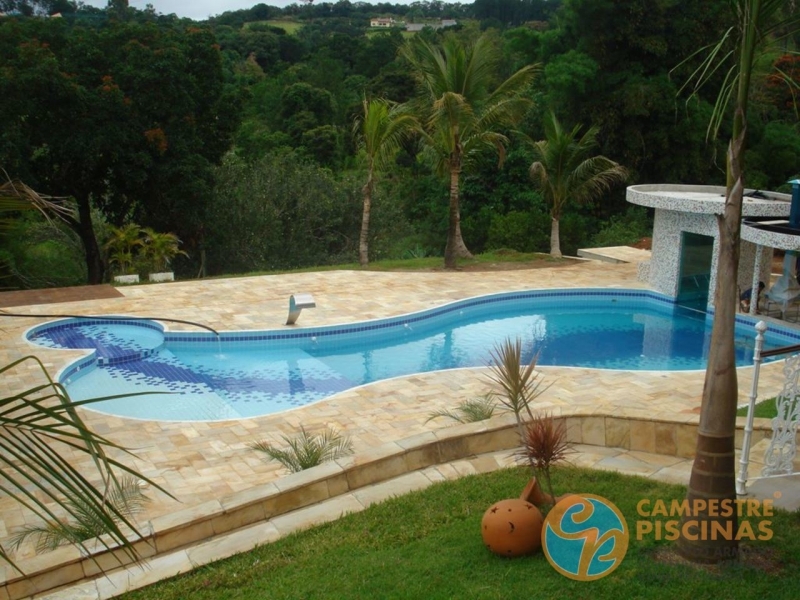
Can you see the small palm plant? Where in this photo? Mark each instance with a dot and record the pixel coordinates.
(519, 384)
(544, 443)
(308, 450)
(160, 248)
(127, 501)
(469, 411)
(123, 245)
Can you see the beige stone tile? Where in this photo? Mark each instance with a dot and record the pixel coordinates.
(593, 431)
(666, 439)
(574, 434)
(492, 440)
(618, 432)
(381, 469)
(323, 512)
(232, 543)
(686, 437)
(396, 487)
(422, 457)
(295, 498)
(643, 436)
(41, 582)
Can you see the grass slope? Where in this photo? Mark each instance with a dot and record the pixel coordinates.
(495, 259)
(427, 545)
(763, 410)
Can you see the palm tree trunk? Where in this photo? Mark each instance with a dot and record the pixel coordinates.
(363, 240)
(456, 248)
(714, 468)
(555, 240)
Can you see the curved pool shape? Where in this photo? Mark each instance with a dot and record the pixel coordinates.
(251, 373)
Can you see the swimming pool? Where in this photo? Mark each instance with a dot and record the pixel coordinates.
(250, 373)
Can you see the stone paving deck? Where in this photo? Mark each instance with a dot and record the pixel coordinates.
(201, 461)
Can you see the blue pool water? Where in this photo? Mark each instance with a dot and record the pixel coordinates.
(246, 374)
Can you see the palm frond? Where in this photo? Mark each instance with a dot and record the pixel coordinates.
(15, 196)
(127, 499)
(469, 411)
(759, 25)
(36, 425)
(307, 450)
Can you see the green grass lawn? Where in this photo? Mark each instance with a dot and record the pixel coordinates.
(763, 410)
(494, 258)
(427, 545)
(290, 27)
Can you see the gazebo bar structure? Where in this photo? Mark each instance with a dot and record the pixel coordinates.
(685, 248)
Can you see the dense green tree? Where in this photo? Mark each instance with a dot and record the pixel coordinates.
(129, 116)
(280, 212)
(609, 63)
(461, 108)
(566, 169)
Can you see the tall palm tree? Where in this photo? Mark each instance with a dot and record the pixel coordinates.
(379, 131)
(757, 25)
(461, 110)
(566, 169)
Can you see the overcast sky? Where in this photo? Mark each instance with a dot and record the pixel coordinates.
(193, 9)
(202, 9)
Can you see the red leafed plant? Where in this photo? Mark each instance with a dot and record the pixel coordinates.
(544, 443)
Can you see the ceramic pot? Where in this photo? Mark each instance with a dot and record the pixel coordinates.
(512, 528)
(533, 493)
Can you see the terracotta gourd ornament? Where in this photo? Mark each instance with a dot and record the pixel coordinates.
(512, 528)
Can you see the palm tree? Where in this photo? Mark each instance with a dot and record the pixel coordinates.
(123, 245)
(379, 131)
(460, 111)
(758, 24)
(160, 248)
(566, 169)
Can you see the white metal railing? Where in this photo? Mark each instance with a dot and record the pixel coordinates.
(780, 454)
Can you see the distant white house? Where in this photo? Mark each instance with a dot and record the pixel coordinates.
(382, 22)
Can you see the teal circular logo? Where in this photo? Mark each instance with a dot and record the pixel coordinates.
(585, 537)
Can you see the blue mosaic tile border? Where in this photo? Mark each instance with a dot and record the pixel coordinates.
(409, 319)
(81, 366)
(751, 321)
(72, 323)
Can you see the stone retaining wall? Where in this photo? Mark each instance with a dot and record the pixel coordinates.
(167, 533)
